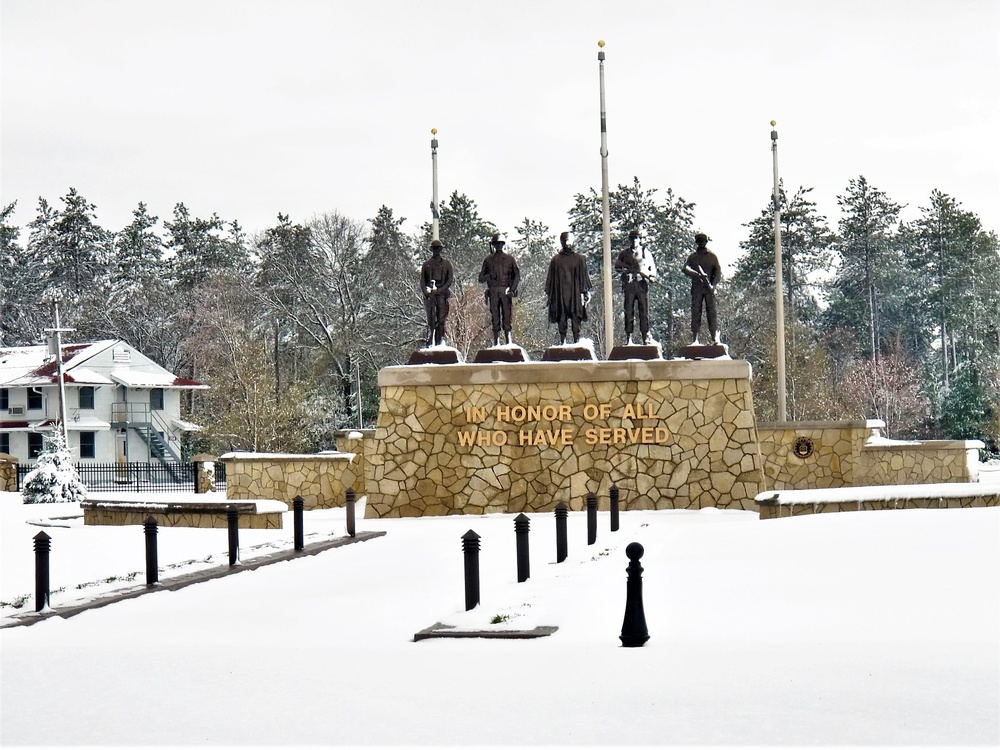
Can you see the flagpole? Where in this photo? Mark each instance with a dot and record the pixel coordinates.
(779, 294)
(435, 228)
(609, 318)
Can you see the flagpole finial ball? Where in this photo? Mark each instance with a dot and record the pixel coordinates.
(773, 123)
(434, 131)
(600, 43)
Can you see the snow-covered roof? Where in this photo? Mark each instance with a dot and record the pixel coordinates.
(146, 379)
(97, 363)
(40, 425)
(87, 423)
(180, 424)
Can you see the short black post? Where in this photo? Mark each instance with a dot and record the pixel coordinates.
(233, 518)
(470, 546)
(43, 543)
(562, 544)
(634, 632)
(521, 526)
(591, 518)
(351, 499)
(298, 506)
(614, 495)
(152, 565)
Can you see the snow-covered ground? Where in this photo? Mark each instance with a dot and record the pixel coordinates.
(870, 628)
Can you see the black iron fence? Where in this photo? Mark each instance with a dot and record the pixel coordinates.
(135, 476)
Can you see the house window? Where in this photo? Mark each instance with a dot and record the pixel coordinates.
(34, 444)
(86, 396)
(34, 400)
(4, 442)
(88, 443)
(156, 398)
(4, 399)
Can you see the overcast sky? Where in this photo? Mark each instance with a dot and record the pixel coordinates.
(251, 107)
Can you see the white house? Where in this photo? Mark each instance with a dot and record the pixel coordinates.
(120, 404)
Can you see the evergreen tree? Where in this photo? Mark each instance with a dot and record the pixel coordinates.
(749, 306)
(21, 287)
(957, 266)
(970, 409)
(78, 245)
(135, 304)
(53, 480)
(396, 314)
(868, 267)
(199, 248)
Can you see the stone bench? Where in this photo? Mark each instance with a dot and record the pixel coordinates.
(134, 509)
(787, 503)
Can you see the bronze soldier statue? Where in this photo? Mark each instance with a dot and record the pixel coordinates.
(568, 289)
(501, 276)
(638, 269)
(435, 280)
(705, 272)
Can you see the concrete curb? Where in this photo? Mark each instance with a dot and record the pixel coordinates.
(439, 630)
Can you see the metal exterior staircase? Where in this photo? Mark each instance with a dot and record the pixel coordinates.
(158, 448)
(147, 425)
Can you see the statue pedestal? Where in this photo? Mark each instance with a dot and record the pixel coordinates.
(435, 355)
(635, 351)
(704, 351)
(569, 353)
(509, 353)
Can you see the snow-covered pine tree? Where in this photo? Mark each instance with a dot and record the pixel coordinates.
(53, 480)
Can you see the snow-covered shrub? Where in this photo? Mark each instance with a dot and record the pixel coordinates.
(53, 480)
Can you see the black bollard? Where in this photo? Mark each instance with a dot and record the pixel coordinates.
(351, 499)
(562, 543)
(43, 543)
(591, 518)
(233, 518)
(614, 495)
(521, 525)
(298, 506)
(152, 565)
(634, 632)
(470, 546)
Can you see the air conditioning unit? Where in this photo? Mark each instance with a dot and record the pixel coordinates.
(16, 411)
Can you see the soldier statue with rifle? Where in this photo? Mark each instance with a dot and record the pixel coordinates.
(703, 268)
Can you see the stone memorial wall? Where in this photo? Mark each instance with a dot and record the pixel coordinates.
(523, 437)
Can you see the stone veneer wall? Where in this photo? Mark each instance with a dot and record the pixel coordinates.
(920, 462)
(96, 514)
(321, 479)
(204, 473)
(853, 454)
(419, 466)
(8, 473)
(833, 463)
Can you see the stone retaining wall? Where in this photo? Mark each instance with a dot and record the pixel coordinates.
(523, 437)
(321, 479)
